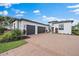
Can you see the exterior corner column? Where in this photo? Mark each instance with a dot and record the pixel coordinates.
(36, 29)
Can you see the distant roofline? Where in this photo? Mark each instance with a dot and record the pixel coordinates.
(31, 21)
(60, 21)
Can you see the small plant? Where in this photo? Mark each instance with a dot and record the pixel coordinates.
(16, 32)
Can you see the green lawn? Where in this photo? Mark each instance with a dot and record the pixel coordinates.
(10, 45)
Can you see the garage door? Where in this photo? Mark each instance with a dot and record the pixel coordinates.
(41, 29)
(30, 29)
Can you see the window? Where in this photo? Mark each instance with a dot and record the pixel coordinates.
(61, 26)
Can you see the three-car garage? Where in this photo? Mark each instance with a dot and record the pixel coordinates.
(31, 27)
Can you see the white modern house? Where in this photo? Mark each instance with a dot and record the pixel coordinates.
(30, 27)
(63, 27)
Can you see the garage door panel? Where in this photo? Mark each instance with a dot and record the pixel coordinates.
(41, 29)
(30, 29)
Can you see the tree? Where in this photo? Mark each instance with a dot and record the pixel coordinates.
(75, 29)
(6, 21)
(77, 26)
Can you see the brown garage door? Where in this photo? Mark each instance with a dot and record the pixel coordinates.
(41, 29)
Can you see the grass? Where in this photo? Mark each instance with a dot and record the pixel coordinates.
(10, 45)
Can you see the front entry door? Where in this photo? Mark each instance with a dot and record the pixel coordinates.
(56, 30)
(52, 29)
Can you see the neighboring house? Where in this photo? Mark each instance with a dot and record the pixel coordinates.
(30, 27)
(64, 27)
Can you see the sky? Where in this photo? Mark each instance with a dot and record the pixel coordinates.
(42, 12)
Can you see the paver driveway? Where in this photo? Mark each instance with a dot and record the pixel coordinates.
(47, 44)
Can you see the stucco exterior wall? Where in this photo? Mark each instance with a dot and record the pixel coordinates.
(67, 27)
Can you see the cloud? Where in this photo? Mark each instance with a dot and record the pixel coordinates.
(22, 12)
(5, 13)
(74, 6)
(7, 5)
(51, 18)
(18, 13)
(46, 18)
(76, 11)
(75, 22)
(37, 12)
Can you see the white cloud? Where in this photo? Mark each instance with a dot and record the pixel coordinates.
(46, 18)
(51, 18)
(75, 22)
(22, 12)
(6, 5)
(74, 6)
(18, 13)
(76, 11)
(37, 12)
(4, 12)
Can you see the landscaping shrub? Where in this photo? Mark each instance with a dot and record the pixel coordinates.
(11, 36)
(16, 34)
(75, 32)
(6, 37)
